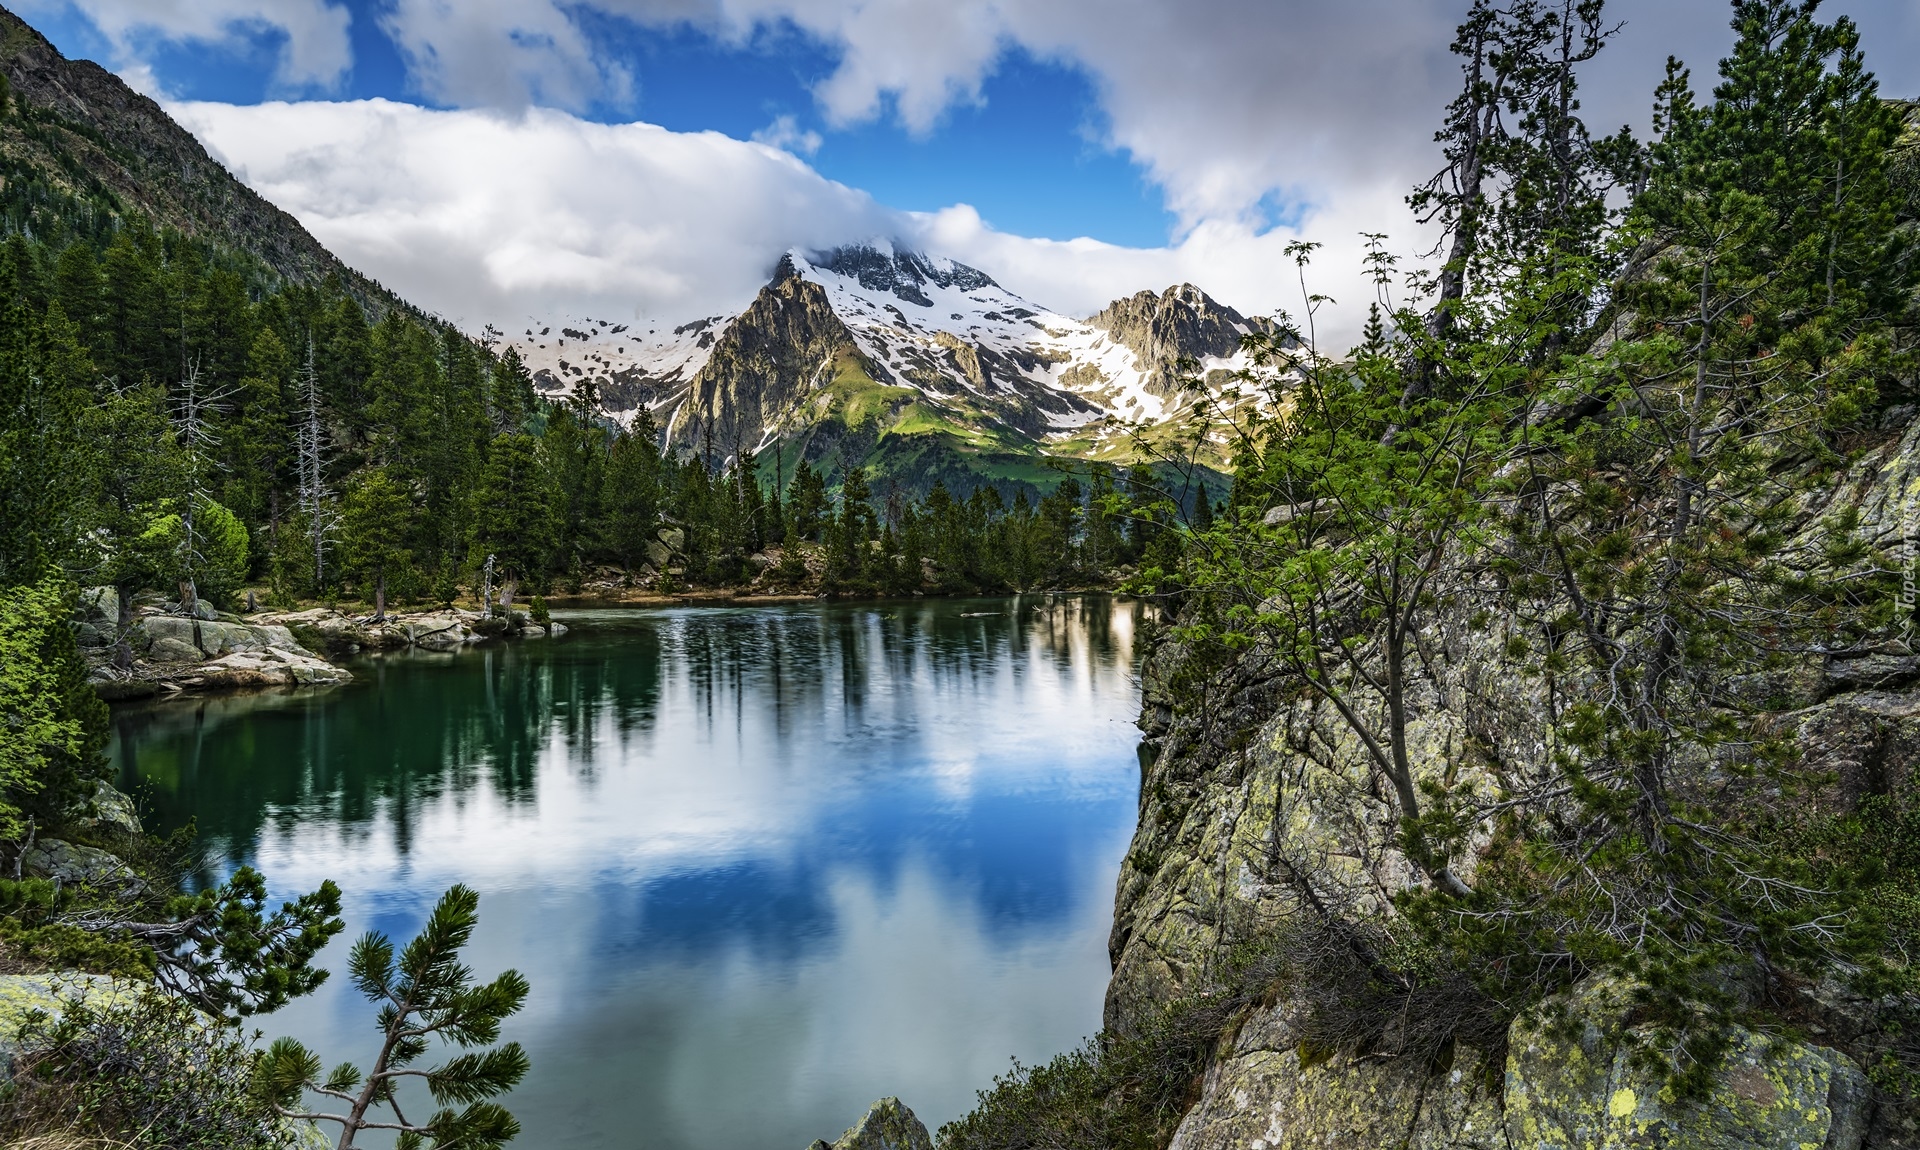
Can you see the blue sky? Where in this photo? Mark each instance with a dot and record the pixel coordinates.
(1028, 155)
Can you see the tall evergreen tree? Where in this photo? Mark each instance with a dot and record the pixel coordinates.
(513, 511)
(375, 525)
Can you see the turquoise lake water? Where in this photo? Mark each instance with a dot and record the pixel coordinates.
(761, 865)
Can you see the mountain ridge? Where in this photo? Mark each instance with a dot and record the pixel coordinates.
(901, 344)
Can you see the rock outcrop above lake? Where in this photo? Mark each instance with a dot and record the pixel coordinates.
(1265, 778)
(887, 1125)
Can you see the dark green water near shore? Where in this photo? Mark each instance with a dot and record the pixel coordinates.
(761, 866)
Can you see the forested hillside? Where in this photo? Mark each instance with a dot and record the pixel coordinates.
(85, 150)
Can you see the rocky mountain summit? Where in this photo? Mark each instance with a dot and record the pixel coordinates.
(1181, 323)
(874, 353)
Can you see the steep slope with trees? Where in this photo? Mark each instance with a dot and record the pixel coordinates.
(85, 150)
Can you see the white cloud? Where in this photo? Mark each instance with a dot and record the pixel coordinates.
(502, 54)
(1233, 107)
(1227, 103)
(1224, 102)
(488, 216)
(316, 51)
(786, 134)
(495, 217)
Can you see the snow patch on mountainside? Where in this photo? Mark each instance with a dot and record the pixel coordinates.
(631, 364)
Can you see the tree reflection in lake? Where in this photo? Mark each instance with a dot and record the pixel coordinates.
(762, 865)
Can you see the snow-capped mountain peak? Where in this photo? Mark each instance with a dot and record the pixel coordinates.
(879, 331)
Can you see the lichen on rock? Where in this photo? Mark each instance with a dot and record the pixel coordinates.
(73, 864)
(27, 996)
(1572, 1083)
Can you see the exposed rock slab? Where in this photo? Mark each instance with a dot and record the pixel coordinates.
(887, 1125)
(1567, 1084)
(72, 864)
(24, 995)
(1265, 1095)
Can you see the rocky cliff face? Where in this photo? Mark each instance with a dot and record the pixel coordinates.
(784, 347)
(81, 128)
(1259, 779)
(1181, 323)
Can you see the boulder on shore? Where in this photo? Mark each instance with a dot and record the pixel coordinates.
(109, 809)
(173, 652)
(71, 864)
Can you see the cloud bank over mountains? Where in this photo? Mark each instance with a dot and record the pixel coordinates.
(1259, 120)
(494, 217)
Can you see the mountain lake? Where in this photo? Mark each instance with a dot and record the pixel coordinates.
(761, 865)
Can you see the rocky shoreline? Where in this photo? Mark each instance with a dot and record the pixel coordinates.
(174, 652)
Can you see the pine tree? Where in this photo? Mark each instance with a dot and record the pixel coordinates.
(54, 732)
(259, 442)
(401, 385)
(424, 993)
(313, 456)
(45, 465)
(1650, 563)
(574, 448)
(197, 405)
(510, 396)
(513, 510)
(374, 527)
(77, 285)
(136, 469)
(634, 495)
(807, 500)
(791, 571)
(132, 344)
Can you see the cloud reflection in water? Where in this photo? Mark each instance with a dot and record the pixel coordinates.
(761, 866)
